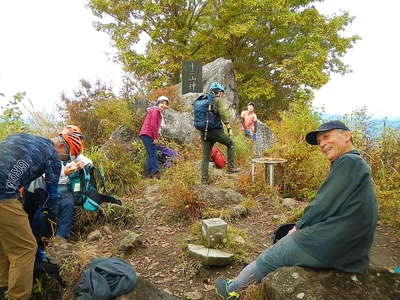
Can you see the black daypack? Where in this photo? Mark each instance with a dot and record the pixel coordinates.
(205, 117)
(44, 226)
(43, 222)
(85, 186)
(281, 232)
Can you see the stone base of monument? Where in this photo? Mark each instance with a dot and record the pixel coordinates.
(210, 257)
(214, 232)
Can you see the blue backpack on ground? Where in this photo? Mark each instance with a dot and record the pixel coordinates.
(205, 118)
(166, 157)
(85, 185)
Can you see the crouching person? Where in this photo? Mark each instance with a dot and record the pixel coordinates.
(23, 158)
(337, 228)
(65, 208)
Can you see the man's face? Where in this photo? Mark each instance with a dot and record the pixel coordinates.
(334, 143)
(61, 151)
(219, 94)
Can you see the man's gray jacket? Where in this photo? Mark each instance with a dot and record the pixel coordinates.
(338, 226)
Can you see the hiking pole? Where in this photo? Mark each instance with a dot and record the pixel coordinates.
(205, 131)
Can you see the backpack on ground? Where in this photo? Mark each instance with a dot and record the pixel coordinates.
(281, 232)
(106, 278)
(166, 157)
(85, 185)
(204, 116)
(218, 158)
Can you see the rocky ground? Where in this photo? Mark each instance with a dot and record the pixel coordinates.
(161, 258)
(165, 263)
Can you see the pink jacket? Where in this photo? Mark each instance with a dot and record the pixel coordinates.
(152, 122)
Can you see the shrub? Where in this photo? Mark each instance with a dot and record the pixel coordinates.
(178, 183)
(305, 164)
(380, 147)
(122, 165)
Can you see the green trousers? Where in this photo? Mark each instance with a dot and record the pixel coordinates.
(214, 136)
(17, 250)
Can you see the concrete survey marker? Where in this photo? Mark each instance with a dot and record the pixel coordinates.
(210, 257)
(215, 232)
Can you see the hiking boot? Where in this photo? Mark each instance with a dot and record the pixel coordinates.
(157, 175)
(233, 170)
(221, 288)
(3, 290)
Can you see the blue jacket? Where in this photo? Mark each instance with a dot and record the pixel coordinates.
(23, 158)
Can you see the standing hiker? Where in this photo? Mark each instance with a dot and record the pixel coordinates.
(209, 114)
(23, 158)
(248, 119)
(149, 134)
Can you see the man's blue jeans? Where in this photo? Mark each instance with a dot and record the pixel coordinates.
(65, 213)
(152, 161)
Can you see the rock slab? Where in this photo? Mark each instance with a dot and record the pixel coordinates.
(303, 283)
(210, 257)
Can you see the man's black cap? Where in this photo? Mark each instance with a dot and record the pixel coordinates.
(311, 137)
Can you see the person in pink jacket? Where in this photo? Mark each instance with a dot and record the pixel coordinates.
(149, 134)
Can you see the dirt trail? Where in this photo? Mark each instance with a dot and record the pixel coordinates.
(165, 263)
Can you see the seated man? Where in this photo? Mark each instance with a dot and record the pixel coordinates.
(337, 228)
(65, 207)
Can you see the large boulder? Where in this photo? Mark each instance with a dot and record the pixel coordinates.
(217, 197)
(295, 283)
(265, 138)
(178, 125)
(146, 290)
(220, 70)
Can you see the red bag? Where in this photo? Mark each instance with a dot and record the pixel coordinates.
(218, 158)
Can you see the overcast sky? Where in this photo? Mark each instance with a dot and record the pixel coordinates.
(47, 46)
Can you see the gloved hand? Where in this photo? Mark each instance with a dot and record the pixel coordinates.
(247, 132)
(254, 136)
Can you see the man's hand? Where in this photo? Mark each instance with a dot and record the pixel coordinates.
(71, 168)
(155, 141)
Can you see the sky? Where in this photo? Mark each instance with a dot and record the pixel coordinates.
(47, 46)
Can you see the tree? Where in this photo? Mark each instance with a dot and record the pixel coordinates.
(11, 117)
(282, 50)
(96, 110)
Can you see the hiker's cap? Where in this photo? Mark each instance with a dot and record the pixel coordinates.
(311, 137)
(162, 99)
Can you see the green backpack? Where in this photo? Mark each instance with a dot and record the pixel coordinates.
(85, 186)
